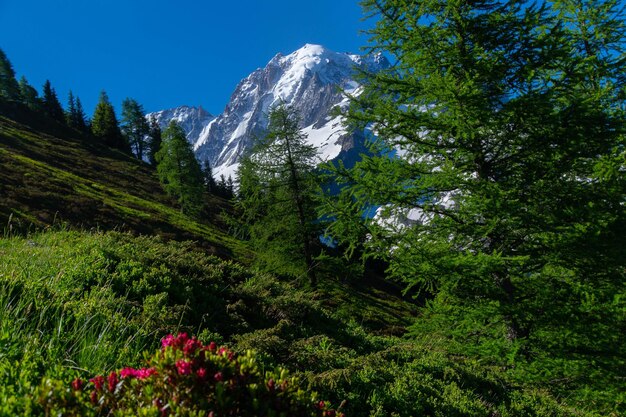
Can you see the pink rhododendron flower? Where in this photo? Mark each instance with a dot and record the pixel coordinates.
(142, 373)
(112, 380)
(212, 346)
(77, 384)
(167, 341)
(183, 367)
(201, 372)
(98, 382)
(191, 346)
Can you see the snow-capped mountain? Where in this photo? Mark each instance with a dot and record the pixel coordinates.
(311, 80)
(192, 119)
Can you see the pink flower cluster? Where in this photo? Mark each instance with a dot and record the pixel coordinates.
(185, 363)
(141, 373)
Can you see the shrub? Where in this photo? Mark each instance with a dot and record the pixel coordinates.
(186, 378)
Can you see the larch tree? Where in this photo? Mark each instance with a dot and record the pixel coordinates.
(135, 126)
(276, 197)
(9, 88)
(504, 196)
(179, 171)
(29, 94)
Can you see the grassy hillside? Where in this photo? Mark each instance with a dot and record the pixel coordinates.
(64, 179)
(97, 265)
(77, 304)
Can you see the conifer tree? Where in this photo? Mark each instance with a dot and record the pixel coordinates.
(70, 113)
(104, 125)
(135, 126)
(51, 103)
(276, 197)
(154, 140)
(29, 94)
(179, 171)
(9, 88)
(209, 181)
(502, 114)
(80, 119)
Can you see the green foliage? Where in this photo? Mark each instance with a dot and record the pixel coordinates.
(135, 126)
(104, 125)
(186, 378)
(51, 104)
(154, 141)
(275, 197)
(29, 95)
(209, 181)
(75, 115)
(9, 88)
(179, 170)
(75, 305)
(501, 114)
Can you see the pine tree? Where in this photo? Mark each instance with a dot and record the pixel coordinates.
(154, 140)
(104, 125)
(501, 114)
(135, 126)
(179, 171)
(9, 88)
(80, 119)
(70, 113)
(275, 198)
(209, 181)
(51, 103)
(29, 95)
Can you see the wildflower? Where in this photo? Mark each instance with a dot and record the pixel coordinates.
(93, 397)
(98, 382)
(167, 341)
(77, 384)
(112, 380)
(218, 376)
(142, 373)
(183, 367)
(191, 346)
(212, 346)
(201, 372)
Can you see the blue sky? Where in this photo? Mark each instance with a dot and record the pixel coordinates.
(165, 53)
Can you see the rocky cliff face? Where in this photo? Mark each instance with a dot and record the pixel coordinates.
(313, 80)
(192, 119)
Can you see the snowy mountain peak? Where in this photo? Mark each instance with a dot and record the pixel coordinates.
(192, 119)
(311, 80)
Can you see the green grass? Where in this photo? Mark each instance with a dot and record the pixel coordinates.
(79, 304)
(47, 179)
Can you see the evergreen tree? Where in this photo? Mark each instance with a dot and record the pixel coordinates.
(503, 202)
(70, 113)
(9, 88)
(104, 125)
(135, 126)
(29, 95)
(209, 181)
(154, 140)
(80, 119)
(179, 171)
(51, 103)
(275, 198)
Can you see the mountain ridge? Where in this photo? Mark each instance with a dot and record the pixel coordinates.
(313, 80)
